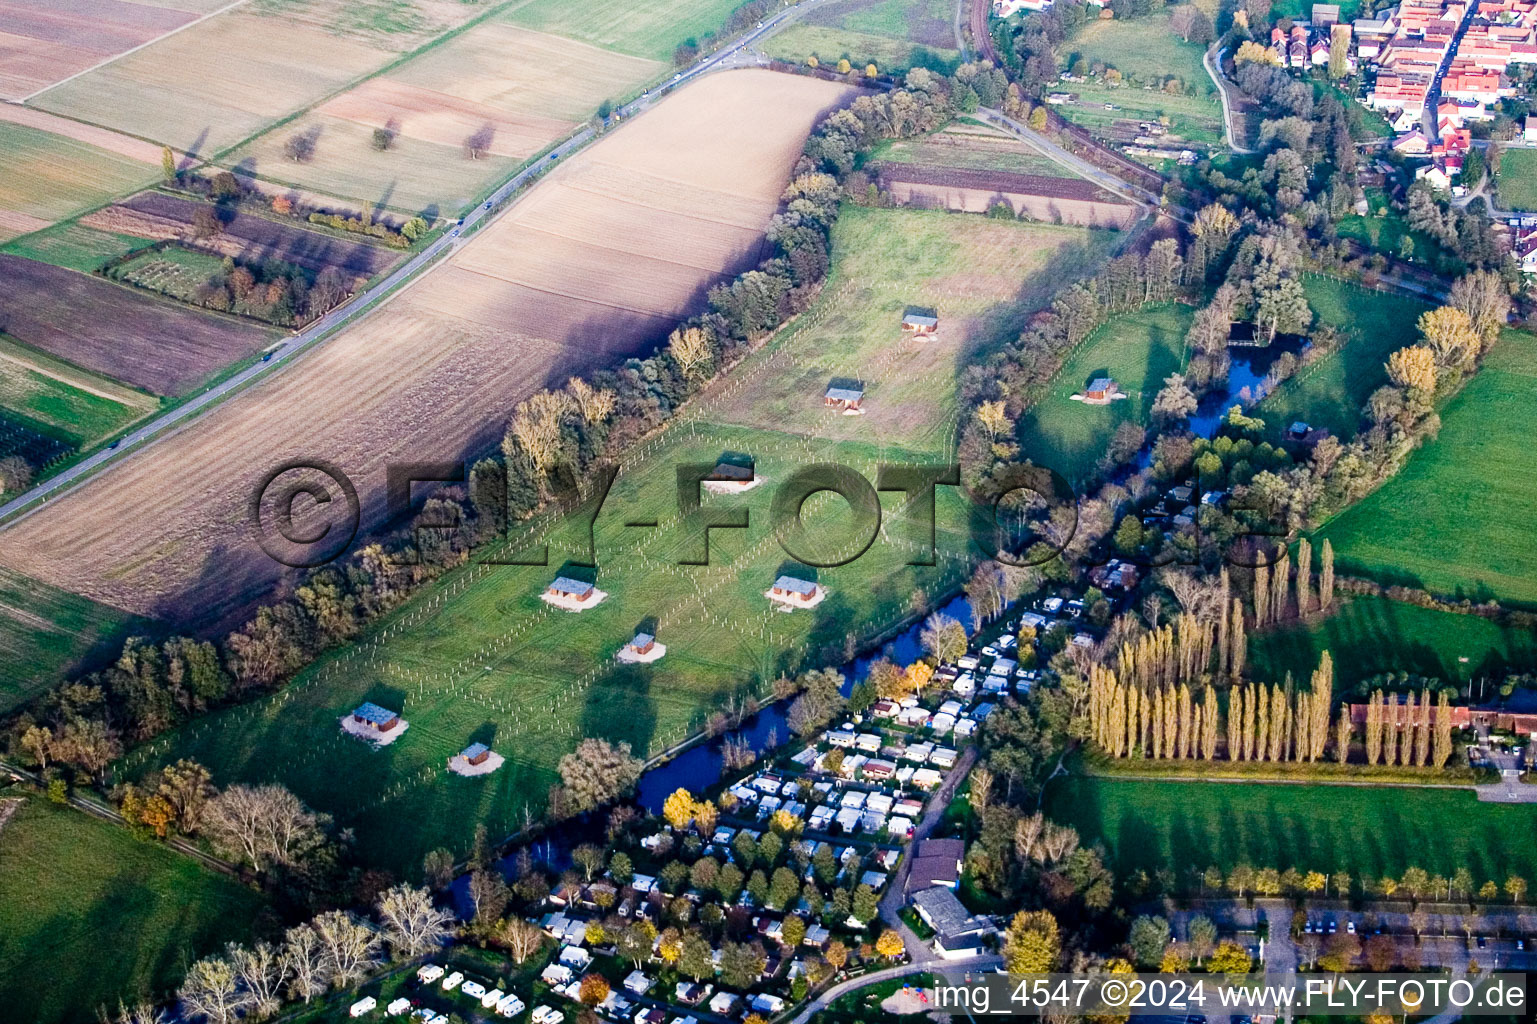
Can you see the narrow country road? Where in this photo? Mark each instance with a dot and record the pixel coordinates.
(1211, 60)
(896, 892)
(949, 968)
(738, 54)
(1079, 166)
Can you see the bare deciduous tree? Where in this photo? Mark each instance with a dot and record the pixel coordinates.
(349, 947)
(411, 923)
(265, 826)
(522, 938)
(262, 971)
(304, 962)
(211, 991)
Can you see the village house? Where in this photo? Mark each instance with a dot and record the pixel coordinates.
(846, 397)
(793, 592)
(936, 862)
(957, 934)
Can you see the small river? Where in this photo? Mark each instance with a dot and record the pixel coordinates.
(699, 767)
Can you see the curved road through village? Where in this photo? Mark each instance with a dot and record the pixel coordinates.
(738, 54)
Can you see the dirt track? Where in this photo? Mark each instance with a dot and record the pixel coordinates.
(661, 209)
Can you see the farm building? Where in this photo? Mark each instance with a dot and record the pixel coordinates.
(1101, 391)
(641, 649)
(572, 595)
(919, 325)
(795, 593)
(368, 721)
(845, 397)
(475, 759)
(733, 472)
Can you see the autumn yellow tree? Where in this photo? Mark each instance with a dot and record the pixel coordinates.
(1413, 367)
(678, 808)
(693, 349)
(918, 675)
(1032, 944)
(1450, 335)
(706, 814)
(1215, 219)
(786, 823)
(887, 679)
(595, 404)
(1250, 52)
(890, 945)
(993, 419)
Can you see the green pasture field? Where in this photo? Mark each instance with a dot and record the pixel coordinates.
(1194, 118)
(1365, 830)
(1331, 392)
(1350, 10)
(89, 914)
(44, 631)
(971, 147)
(481, 657)
(983, 277)
(1138, 350)
(651, 30)
(1517, 183)
(828, 45)
(895, 35)
(1370, 635)
(1148, 50)
(1457, 519)
(73, 246)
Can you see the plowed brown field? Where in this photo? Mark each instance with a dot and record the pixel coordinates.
(663, 208)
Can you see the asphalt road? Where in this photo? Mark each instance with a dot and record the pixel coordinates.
(738, 54)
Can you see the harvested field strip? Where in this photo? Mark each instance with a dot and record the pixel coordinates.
(434, 378)
(49, 177)
(112, 330)
(745, 207)
(434, 102)
(972, 146)
(244, 81)
(44, 43)
(1000, 181)
(13, 224)
(442, 119)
